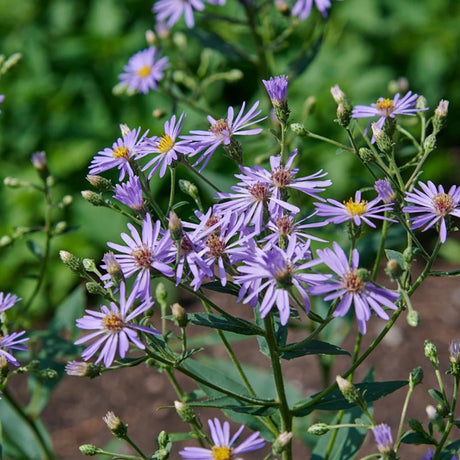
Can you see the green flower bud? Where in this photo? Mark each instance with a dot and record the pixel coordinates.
(382, 140)
(366, 155)
(299, 129)
(185, 412)
(158, 113)
(431, 353)
(94, 198)
(349, 391)
(421, 103)
(344, 113)
(95, 288)
(318, 429)
(71, 261)
(161, 294)
(12, 182)
(281, 442)
(150, 37)
(393, 269)
(90, 265)
(189, 188)
(163, 439)
(101, 183)
(5, 240)
(89, 449)
(416, 376)
(430, 143)
(175, 226)
(412, 318)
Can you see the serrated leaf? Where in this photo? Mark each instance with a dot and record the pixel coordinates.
(223, 323)
(313, 347)
(370, 391)
(413, 437)
(398, 256)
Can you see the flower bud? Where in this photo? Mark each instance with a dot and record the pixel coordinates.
(282, 7)
(101, 183)
(83, 369)
(385, 191)
(318, 429)
(343, 114)
(338, 94)
(161, 294)
(421, 103)
(94, 198)
(440, 115)
(430, 143)
(95, 288)
(234, 151)
(366, 155)
(67, 200)
(158, 113)
(416, 376)
(401, 85)
(431, 413)
(163, 439)
(393, 269)
(39, 162)
(179, 315)
(89, 449)
(349, 391)
(3, 366)
(89, 265)
(150, 37)
(12, 182)
(175, 226)
(115, 425)
(381, 138)
(431, 353)
(454, 357)
(5, 240)
(413, 318)
(189, 188)
(71, 261)
(125, 129)
(185, 413)
(383, 438)
(299, 129)
(281, 442)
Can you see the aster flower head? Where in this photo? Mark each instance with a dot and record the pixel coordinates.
(221, 132)
(385, 191)
(7, 301)
(224, 447)
(352, 287)
(113, 328)
(170, 11)
(277, 89)
(144, 69)
(271, 273)
(356, 210)
(13, 341)
(166, 148)
(434, 206)
(144, 254)
(383, 438)
(130, 193)
(302, 8)
(123, 151)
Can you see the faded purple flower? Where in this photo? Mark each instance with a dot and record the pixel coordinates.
(123, 151)
(7, 301)
(434, 206)
(130, 193)
(145, 254)
(12, 342)
(224, 447)
(302, 8)
(383, 438)
(356, 210)
(144, 70)
(166, 147)
(222, 131)
(114, 328)
(385, 191)
(352, 287)
(277, 89)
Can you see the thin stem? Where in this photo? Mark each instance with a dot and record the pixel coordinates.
(403, 417)
(116, 455)
(197, 173)
(172, 190)
(379, 255)
(329, 141)
(134, 446)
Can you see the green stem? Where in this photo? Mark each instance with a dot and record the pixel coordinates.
(403, 417)
(116, 455)
(329, 141)
(379, 255)
(134, 446)
(47, 454)
(286, 416)
(173, 189)
(197, 173)
(356, 151)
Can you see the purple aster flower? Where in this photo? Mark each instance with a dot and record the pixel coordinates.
(388, 108)
(12, 342)
(7, 301)
(383, 438)
(114, 328)
(385, 191)
(224, 447)
(277, 89)
(352, 287)
(166, 147)
(146, 254)
(454, 351)
(302, 8)
(130, 193)
(222, 131)
(174, 9)
(434, 205)
(123, 151)
(271, 274)
(356, 210)
(144, 69)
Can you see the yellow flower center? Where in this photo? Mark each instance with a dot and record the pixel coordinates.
(144, 71)
(221, 453)
(386, 106)
(352, 282)
(165, 144)
(443, 203)
(355, 208)
(112, 322)
(121, 152)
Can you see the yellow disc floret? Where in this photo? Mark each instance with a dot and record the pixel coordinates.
(355, 208)
(385, 106)
(443, 203)
(144, 71)
(165, 144)
(112, 322)
(221, 453)
(121, 152)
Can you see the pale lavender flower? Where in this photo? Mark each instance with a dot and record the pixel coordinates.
(454, 351)
(123, 151)
(144, 69)
(12, 342)
(114, 328)
(271, 273)
(224, 446)
(174, 9)
(356, 210)
(352, 287)
(434, 205)
(387, 108)
(130, 193)
(302, 8)
(8, 300)
(277, 89)
(145, 254)
(385, 191)
(383, 438)
(222, 131)
(166, 147)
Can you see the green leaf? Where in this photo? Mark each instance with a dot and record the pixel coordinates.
(229, 288)
(224, 323)
(69, 310)
(370, 391)
(35, 249)
(437, 396)
(413, 437)
(235, 405)
(398, 256)
(314, 347)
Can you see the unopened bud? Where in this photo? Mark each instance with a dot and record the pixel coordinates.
(299, 129)
(189, 188)
(40, 164)
(366, 155)
(344, 114)
(454, 357)
(385, 191)
(381, 138)
(71, 261)
(158, 113)
(234, 75)
(364, 274)
(175, 226)
(421, 103)
(150, 37)
(393, 269)
(67, 200)
(431, 413)
(416, 376)
(408, 255)
(12, 182)
(89, 265)
(115, 425)
(431, 353)
(440, 115)
(94, 198)
(89, 449)
(101, 183)
(318, 429)
(281, 442)
(161, 294)
(413, 318)
(430, 143)
(349, 391)
(401, 85)
(163, 439)
(125, 129)
(185, 412)
(111, 264)
(5, 240)
(180, 40)
(60, 227)
(234, 151)
(95, 288)
(338, 94)
(282, 7)
(179, 315)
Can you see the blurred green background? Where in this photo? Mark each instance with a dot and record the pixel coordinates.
(60, 99)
